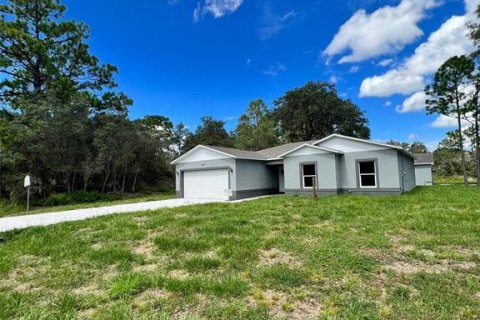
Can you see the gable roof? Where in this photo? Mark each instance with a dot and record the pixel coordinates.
(306, 145)
(197, 148)
(278, 152)
(423, 158)
(390, 146)
(239, 154)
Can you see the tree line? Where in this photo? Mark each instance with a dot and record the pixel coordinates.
(64, 121)
(455, 91)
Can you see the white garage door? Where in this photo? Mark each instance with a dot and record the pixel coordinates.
(205, 184)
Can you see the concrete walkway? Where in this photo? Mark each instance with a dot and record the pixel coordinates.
(45, 219)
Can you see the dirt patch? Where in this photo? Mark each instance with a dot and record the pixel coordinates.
(90, 289)
(297, 217)
(462, 251)
(146, 247)
(96, 246)
(436, 268)
(275, 256)
(87, 313)
(145, 268)
(371, 252)
(282, 305)
(179, 274)
(21, 278)
(325, 225)
(140, 220)
(142, 299)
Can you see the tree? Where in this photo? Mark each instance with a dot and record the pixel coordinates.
(315, 111)
(404, 145)
(474, 27)
(41, 51)
(210, 132)
(256, 129)
(418, 147)
(448, 161)
(179, 137)
(60, 119)
(448, 93)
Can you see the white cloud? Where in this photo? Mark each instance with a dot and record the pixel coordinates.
(217, 8)
(470, 7)
(275, 69)
(387, 103)
(385, 62)
(449, 40)
(354, 69)
(444, 121)
(387, 30)
(416, 102)
(273, 23)
(412, 136)
(394, 81)
(333, 79)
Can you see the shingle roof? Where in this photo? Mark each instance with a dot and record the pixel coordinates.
(275, 152)
(278, 151)
(423, 158)
(240, 154)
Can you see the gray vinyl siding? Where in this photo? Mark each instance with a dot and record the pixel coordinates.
(326, 171)
(255, 175)
(406, 172)
(387, 170)
(423, 175)
(226, 163)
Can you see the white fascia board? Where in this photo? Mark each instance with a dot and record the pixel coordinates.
(200, 147)
(310, 146)
(366, 141)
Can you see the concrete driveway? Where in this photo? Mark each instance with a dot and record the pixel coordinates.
(44, 219)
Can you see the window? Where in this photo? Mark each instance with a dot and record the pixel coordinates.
(308, 175)
(367, 174)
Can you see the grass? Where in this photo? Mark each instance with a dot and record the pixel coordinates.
(415, 256)
(454, 180)
(8, 208)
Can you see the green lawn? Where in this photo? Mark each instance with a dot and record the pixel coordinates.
(415, 256)
(9, 209)
(454, 180)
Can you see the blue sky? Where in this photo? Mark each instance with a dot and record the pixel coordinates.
(189, 58)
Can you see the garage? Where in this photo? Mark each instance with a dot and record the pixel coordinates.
(206, 184)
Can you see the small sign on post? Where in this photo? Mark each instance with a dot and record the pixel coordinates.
(26, 184)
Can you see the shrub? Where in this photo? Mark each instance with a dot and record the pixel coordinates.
(61, 199)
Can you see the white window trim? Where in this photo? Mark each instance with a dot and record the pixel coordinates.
(367, 174)
(309, 175)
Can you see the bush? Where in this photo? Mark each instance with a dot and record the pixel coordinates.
(61, 199)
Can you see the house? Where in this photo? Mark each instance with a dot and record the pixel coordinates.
(335, 164)
(424, 168)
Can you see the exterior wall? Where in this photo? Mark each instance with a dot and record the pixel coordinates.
(406, 172)
(423, 175)
(387, 171)
(254, 178)
(326, 166)
(227, 163)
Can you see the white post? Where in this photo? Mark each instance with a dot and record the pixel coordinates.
(26, 184)
(28, 199)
